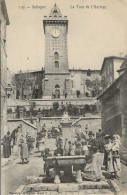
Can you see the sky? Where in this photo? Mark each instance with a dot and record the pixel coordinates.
(93, 33)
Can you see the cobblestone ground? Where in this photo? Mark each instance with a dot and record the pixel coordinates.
(14, 174)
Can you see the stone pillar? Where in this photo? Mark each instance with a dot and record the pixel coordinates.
(66, 130)
(57, 175)
(78, 176)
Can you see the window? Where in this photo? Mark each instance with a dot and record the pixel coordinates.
(56, 56)
(56, 64)
(57, 86)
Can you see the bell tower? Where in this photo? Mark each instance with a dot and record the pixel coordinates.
(55, 29)
(56, 54)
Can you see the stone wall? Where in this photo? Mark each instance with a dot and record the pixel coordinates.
(93, 123)
(26, 127)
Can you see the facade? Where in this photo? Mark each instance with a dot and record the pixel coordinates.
(109, 70)
(4, 21)
(78, 79)
(32, 88)
(114, 106)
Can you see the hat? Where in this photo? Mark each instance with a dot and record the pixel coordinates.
(107, 136)
(91, 133)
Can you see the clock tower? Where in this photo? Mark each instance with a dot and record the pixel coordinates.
(56, 82)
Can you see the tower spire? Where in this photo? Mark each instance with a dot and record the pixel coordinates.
(55, 12)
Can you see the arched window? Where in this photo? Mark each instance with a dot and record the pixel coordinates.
(56, 64)
(57, 86)
(56, 56)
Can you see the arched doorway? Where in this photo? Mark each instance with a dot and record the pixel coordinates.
(57, 91)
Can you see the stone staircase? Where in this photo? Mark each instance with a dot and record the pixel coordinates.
(86, 187)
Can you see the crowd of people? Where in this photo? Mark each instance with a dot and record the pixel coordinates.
(17, 142)
(100, 150)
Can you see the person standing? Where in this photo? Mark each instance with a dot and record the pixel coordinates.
(24, 155)
(7, 145)
(108, 156)
(13, 135)
(116, 155)
(29, 143)
(92, 170)
(101, 142)
(17, 133)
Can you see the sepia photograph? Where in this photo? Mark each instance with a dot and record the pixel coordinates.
(63, 124)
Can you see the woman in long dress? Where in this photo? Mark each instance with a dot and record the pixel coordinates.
(7, 145)
(92, 170)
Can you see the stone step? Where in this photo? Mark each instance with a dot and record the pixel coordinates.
(84, 192)
(66, 187)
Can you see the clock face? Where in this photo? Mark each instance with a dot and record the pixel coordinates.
(56, 32)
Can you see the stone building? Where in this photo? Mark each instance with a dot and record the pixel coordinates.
(78, 78)
(114, 103)
(4, 21)
(57, 81)
(109, 70)
(60, 81)
(32, 88)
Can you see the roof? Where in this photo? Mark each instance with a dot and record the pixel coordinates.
(35, 71)
(55, 12)
(84, 70)
(113, 84)
(124, 64)
(110, 57)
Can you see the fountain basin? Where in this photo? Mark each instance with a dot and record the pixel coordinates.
(63, 161)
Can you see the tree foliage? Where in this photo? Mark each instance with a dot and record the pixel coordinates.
(55, 105)
(95, 86)
(22, 81)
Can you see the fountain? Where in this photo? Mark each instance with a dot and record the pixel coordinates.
(65, 162)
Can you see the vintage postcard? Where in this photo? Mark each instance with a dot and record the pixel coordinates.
(63, 97)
